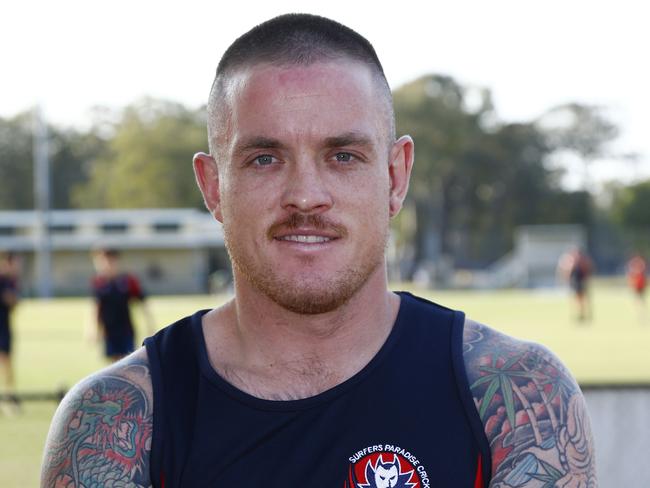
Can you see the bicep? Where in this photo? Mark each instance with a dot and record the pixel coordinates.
(533, 412)
(101, 432)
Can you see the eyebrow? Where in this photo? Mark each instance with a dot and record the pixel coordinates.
(348, 139)
(341, 140)
(257, 142)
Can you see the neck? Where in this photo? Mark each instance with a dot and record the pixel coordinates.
(271, 352)
(109, 272)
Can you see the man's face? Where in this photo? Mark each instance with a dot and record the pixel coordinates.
(104, 263)
(304, 182)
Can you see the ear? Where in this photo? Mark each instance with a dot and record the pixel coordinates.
(399, 171)
(207, 177)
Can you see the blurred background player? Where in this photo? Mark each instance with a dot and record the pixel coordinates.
(637, 278)
(575, 267)
(114, 290)
(8, 300)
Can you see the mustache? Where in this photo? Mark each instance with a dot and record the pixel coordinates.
(299, 220)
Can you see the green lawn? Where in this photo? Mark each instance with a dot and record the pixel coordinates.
(51, 351)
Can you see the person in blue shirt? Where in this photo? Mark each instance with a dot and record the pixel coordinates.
(315, 373)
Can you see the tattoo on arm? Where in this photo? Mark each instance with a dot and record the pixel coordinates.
(533, 412)
(101, 433)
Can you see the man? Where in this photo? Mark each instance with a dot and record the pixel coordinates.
(8, 300)
(315, 374)
(114, 291)
(576, 268)
(637, 268)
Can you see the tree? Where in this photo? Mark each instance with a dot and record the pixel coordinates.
(148, 159)
(475, 179)
(630, 206)
(71, 152)
(509, 185)
(16, 167)
(433, 111)
(579, 129)
(68, 150)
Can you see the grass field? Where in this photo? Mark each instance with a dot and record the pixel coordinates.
(51, 352)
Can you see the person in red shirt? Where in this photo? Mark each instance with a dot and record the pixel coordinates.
(114, 291)
(637, 278)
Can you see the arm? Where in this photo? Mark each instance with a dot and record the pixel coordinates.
(9, 294)
(525, 385)
(563, 269)
(148, 317)
(101, 432)
(136, 292)
(94, 329)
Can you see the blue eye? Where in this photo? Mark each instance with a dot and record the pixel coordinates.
(264, 160)
(344, 157)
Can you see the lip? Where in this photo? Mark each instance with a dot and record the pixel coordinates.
(306, 236)
(305, 239)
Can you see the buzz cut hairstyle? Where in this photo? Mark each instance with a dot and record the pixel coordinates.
(108, 252)
(293, 39)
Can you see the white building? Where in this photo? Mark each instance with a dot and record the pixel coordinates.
(170, 250)
(533, 261)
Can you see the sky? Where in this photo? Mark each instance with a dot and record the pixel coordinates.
(69, 55)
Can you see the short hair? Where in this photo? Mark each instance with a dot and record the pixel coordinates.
(294, 39)
(107, 252)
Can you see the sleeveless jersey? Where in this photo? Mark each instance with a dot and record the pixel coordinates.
(406, 420)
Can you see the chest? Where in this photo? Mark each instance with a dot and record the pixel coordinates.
(394, 428)
(116, 289)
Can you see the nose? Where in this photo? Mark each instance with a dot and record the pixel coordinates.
(306, 190)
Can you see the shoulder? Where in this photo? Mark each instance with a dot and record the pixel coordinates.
(101, 432)
(532, 410)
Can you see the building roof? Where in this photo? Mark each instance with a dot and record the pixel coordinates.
(124, 229)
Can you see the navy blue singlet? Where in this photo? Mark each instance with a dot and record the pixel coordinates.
(406, 420)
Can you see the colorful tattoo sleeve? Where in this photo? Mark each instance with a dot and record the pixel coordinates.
(533, 412)
(101, 432)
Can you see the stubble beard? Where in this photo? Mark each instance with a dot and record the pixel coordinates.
(310, 294)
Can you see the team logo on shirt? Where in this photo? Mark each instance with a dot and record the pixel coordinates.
(386, 466)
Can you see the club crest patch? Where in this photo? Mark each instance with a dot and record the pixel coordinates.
(386, 466)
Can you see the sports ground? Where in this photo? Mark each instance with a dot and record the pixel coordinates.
(51, 352)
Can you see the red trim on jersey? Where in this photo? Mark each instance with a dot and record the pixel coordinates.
(135, 290)
(350, 479)
(478, 482)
